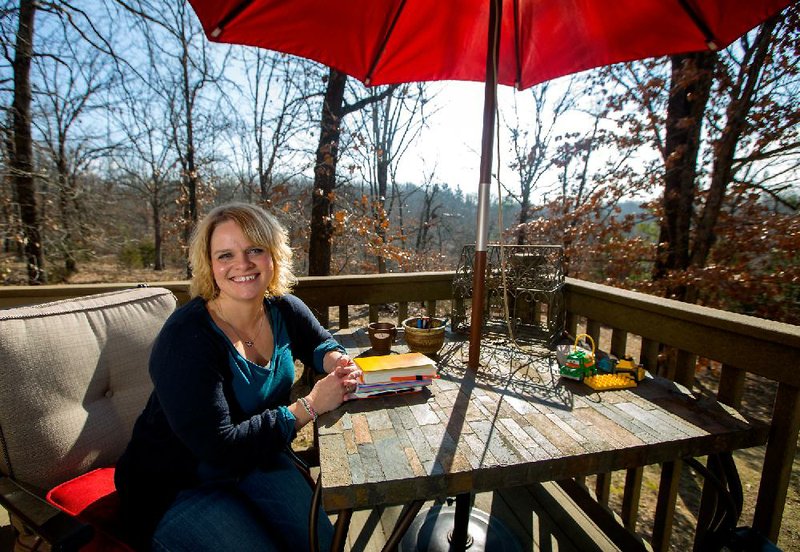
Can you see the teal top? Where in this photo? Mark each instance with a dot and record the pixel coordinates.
(259, 387)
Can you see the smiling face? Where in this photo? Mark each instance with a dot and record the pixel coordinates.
(241, 269)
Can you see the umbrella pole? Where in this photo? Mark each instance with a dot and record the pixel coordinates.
(471, 528)
(482, 226)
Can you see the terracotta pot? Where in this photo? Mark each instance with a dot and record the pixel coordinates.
(381, 336)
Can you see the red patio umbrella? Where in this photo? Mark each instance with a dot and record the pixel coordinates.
(514, 42)
(394, 41)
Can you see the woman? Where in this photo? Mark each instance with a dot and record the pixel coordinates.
(207, 467)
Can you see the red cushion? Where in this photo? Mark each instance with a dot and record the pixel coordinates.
(93, 499)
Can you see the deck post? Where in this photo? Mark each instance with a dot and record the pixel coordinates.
(778, 461)
(665, 507)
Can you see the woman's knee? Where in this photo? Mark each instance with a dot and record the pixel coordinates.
(284, 498)
(212, 520)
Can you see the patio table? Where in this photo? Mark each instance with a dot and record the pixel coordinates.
(515, 422)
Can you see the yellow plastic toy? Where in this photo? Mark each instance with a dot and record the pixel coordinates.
(607, 382)
(626, 365)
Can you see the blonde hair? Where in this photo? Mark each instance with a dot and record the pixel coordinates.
(260, 227)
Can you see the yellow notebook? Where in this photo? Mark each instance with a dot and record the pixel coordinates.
(403, 367)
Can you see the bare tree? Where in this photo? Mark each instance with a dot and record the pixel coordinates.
(428, 216)
(692, 77)
(70, 88)
(147, 163)
(334, 109)
(727, 114)
(385, 130)
(271, 123)
(744, 86)
(186, 75)
(533, 142)
(719, 122)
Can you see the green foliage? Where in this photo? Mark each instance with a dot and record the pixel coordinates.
(137, 254)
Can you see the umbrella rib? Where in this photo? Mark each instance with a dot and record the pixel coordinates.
(385, 40)
(711, 40)
(239, 8)
(517, 40)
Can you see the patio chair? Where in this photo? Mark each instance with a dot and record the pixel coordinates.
(73, 379)
(720, 530)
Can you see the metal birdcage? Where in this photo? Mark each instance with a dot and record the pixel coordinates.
(529, 279)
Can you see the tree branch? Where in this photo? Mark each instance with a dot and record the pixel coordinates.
(360, 104)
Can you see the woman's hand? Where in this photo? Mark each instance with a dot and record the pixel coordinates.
(341, 364)
(332, 390)
(333, 360)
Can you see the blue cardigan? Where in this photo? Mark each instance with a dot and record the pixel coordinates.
(196, 422)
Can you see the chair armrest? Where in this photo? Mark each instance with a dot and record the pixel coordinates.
(63, 532)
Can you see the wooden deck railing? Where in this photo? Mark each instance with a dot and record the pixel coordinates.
(741, 344)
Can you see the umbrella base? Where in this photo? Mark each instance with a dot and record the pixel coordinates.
(432, 529)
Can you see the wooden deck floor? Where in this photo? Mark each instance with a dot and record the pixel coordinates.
(540, 517)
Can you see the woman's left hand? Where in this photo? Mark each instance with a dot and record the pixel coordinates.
(349, 373)
(338, 362)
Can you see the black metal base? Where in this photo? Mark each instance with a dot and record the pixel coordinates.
(431, 531)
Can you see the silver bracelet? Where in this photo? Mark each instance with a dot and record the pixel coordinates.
(308, 408)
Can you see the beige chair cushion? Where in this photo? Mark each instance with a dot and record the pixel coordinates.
(73, 379)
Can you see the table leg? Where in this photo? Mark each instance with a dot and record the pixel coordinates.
(340, 530)
(402, 525)
(461, 536)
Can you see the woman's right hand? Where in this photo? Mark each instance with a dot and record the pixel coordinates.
(331, 391)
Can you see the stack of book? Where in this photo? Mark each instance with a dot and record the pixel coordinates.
(390, 374)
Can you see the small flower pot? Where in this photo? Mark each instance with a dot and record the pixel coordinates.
(381, 336)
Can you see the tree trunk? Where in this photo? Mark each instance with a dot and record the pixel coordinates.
(66, 208)
(383, 178)
(191, 178)
(426, 216)
(22, 158)
(158, 248)
(524, 213)
(319, 251)
(692, 76)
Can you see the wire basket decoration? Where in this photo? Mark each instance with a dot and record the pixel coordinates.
(527, 279)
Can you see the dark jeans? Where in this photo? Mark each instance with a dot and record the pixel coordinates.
(264, 511)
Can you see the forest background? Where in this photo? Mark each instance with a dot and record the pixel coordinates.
(122, 125)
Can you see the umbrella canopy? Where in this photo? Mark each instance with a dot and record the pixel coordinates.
(394, 41)
(514, 42)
